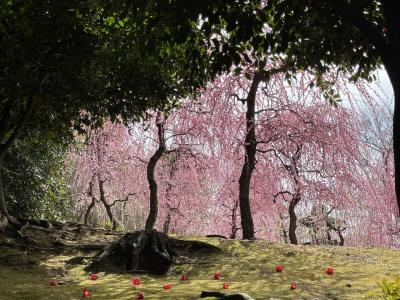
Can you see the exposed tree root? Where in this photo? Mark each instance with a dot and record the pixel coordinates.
(145, 251)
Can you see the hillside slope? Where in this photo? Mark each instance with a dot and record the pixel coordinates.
(248, 266)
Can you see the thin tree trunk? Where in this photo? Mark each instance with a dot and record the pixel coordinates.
(167, 223)
(88, 211)
(106, 205)
(249, 161)
(92, 204)
(234, 228)
(293, 219)
(152, 217)
(284, 231)
(341, 237)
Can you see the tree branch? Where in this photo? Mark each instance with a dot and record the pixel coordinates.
(122, 200)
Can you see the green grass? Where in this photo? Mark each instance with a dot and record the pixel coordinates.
(248, 267)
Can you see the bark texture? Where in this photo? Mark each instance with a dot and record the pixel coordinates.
(152, 217)
(249, 161)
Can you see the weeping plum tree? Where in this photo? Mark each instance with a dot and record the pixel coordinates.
(105, 161)
(310, 152)
(330, 168)
(358, 36)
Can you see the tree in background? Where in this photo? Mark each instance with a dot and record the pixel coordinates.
(104, 171)
(356, 37)
(296, 130)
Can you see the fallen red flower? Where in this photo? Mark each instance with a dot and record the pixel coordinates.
(86, 293)
(217, 275)
(184, 277)
(278, 268)
(53, 282)
(329, 271)
(293, 286)
(167, 286)
(94, 276)
(140, 295)
(135, 281)
(225, 285)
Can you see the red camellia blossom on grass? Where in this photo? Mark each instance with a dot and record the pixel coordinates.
(135, 281)
(278, 268)
(167, 286)
(140, 295)
(329, 270)
(293, 286)
(217, 275)
(86, 293)
(184, 277)
(94, 276)
(225, 285)
(53, 282)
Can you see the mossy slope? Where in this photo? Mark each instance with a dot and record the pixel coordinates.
(248, 267)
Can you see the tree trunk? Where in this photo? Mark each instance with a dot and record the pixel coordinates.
(249, 161)
(152, 217)
(284, 231)
(167, 223)
(106, 205)
(293, 219)
(234, 228)
(87, 213)
(93, 203)
(396, 137)
(341, 238)
(392, 66)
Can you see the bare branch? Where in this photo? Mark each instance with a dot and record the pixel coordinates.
(122, 200)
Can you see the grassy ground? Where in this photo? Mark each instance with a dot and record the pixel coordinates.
(247, 266)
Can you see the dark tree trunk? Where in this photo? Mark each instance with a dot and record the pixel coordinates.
(293, 219)
(249, 161)
(152, 217)
(391, 60)
(88, 211)
(341, 237)
(106, 205)
(92, 204)
(393, 71)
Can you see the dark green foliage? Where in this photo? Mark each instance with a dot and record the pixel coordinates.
(318, 35)
(35, 177)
